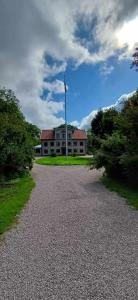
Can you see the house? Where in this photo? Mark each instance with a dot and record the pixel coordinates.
(53, 141)
(37, 150)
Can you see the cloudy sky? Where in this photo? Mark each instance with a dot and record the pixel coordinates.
(90, 40)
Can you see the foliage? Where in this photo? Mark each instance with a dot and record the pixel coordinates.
(96, 124)
(117, 151)
(63, 161)
(34, 132)
(13, 196)
(63, 126)
(89, 141)
(135, 60)
(53, 155)
(103, 124)
(17, 137)
(110, 153)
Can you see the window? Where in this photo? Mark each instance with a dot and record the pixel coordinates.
(58, 150)
(69, 150)
(63, 135)
(52, 150)
(38, 151)
(69, 136)
(58, 144)
(69, 143)
(52, 144)
(45, 144)
(45, 151)
(81, 150)
(63, 144)
(75, 143)
(75, 150)
(81, 143)
(57, 136)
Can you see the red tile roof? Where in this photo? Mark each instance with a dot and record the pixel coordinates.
(47, 135)
(78, 134)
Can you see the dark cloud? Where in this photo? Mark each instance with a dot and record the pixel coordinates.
(127, 9)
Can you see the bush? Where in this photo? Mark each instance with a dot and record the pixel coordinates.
(129, 163)
(116, 138)
(109, 155)
(53, 155)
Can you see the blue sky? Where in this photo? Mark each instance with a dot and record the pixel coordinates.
(90, 88)
(92, 42)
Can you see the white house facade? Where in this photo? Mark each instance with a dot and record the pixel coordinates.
(54, 141)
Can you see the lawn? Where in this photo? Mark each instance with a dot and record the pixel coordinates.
(124, 190)
(13, 196)
(64, 161)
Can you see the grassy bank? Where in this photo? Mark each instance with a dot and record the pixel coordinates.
(63, 160)
(13, 196)
(123, 190)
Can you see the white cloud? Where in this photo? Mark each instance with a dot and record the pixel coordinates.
(86, 121)
(30, 30)
(127, 34)
(106, 69)
(56, 87)
(75, 123)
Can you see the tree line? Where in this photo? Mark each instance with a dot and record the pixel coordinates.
(114, 136)
(17, 138)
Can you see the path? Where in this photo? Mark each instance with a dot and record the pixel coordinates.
(74, 240)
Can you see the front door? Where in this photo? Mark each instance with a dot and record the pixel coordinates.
(63, 150)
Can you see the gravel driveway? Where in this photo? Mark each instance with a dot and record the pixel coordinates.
(74, 240)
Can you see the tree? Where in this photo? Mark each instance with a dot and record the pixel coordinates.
(108, 121)
(63, 126)
(135, 60)
(96, 124)
(118, 151)
(102, 125)
(16, 137)
(89, 140)
(34, 131)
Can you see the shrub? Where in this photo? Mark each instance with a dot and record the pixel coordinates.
(53, 155)
(129, 163)
(118, 148)
(109, 155)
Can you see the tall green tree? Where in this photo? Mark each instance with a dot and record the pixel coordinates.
(34, 132)
(103, 124)
(118, 151)
(16, 138)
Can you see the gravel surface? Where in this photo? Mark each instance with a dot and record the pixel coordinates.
(74, 240)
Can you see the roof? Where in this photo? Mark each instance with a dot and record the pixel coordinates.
(47, 135)
(78, 134)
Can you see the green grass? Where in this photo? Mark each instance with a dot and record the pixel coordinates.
(13, 196)
(124, 190)
(64, 161)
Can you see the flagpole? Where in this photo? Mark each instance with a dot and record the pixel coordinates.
(66, 127)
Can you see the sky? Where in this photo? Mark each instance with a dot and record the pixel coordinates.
(90, 41)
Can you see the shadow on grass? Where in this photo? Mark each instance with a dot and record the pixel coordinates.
(123, 189)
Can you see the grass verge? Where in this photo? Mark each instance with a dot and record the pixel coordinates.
(13, 196)
(122, 189)
(64, 161)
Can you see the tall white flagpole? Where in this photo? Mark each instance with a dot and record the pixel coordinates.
(66, 126)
